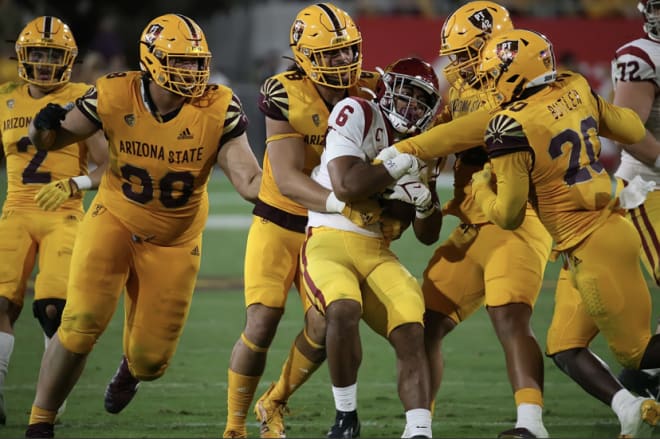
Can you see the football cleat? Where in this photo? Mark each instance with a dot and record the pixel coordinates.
(3, 413)
(516, 433)
(271, 415)
(346, 426)
(640, 382)
(122, 388)
(40, 429)
(640, 418)
(234, 434)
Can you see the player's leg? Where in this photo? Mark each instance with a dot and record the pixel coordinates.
(569, 336)
(101, 268)
(56, 236)
(333, 282)
(17, 257)
(271, 262)
(453, 289)
(514, 263)
(401, 296)
(646, 219)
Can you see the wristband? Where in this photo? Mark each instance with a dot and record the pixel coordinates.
(334, 204)
(83, 182)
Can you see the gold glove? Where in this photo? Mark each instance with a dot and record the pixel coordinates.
(54, 194)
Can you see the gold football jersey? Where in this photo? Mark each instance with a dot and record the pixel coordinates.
(28, 169)
(569, 187)
(159, 167)
(293, 97)
(462, 205)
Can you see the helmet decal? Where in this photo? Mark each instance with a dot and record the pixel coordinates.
(483, 20)
(153, 33)
(297, 30)
(506, 51)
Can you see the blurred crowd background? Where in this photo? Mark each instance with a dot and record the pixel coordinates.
(249, 38)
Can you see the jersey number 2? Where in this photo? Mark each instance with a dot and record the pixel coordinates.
(30, 174)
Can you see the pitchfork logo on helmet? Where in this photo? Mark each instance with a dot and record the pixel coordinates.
(46, 50)
(327, 45)
(174, 51)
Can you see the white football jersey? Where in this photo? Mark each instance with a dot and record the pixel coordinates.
(639, 60)
(356, 127)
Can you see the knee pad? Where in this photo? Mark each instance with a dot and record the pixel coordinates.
(49, 323)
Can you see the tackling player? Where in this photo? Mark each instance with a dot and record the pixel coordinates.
(327, 50)
(167, 128)
(46, 50)
(543, 146)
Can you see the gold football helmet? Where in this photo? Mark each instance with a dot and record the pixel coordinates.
(465, 33)
(513, 62)
(327, 45)
(174, 51)
(46, 50)
(651, 11)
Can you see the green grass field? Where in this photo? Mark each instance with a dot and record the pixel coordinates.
(190, 400)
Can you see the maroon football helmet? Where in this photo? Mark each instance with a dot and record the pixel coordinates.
(408, 93)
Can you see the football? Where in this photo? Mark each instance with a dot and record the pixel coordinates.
(399, 210)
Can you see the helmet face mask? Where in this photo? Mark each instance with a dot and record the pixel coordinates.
(46, 51)
(174, 51)
(327, 45)
(514, 62)
(651, 11)
(464, 35)
(408, 93)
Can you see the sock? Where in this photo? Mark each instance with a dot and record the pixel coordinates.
(530, 416)
(296, 370)
(6, 348)
(41, 415)
(345, 398)
(621, 400)
(418, 423)
(240, 392)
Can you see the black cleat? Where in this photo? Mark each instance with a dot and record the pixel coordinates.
(516, 433)
(122, 388)
(640, 382)
(40, 429)
(347, 426)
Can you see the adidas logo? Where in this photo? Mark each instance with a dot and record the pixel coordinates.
(185, 134)
(195, 251)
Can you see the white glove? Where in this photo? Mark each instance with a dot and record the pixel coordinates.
(412, 190)
(635, 193)
(387, 153)
(403, 164)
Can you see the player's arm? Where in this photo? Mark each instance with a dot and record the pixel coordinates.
(55, 127)
(620, 124)
(447, 138)
(238, 162)
(639, 97)
(511, 160)
(286, 152)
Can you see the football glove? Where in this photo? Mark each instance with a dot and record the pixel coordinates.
(634, 194)
(391, 229)
(361, 213)
(481, 178)
(50, 117)
(412, 190)
(403, 164)
(54, 194)
(387, 153)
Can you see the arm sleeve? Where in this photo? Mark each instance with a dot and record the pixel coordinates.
(448, 138)
(507, 207)
(620, 124)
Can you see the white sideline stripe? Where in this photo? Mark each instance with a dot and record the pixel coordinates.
(228, 222)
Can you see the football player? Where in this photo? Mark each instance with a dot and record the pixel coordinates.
(543, 146)
(341, 260)
(637, 86)
(167, 128)
(46, 50)
(479, 263)
(327, 50)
